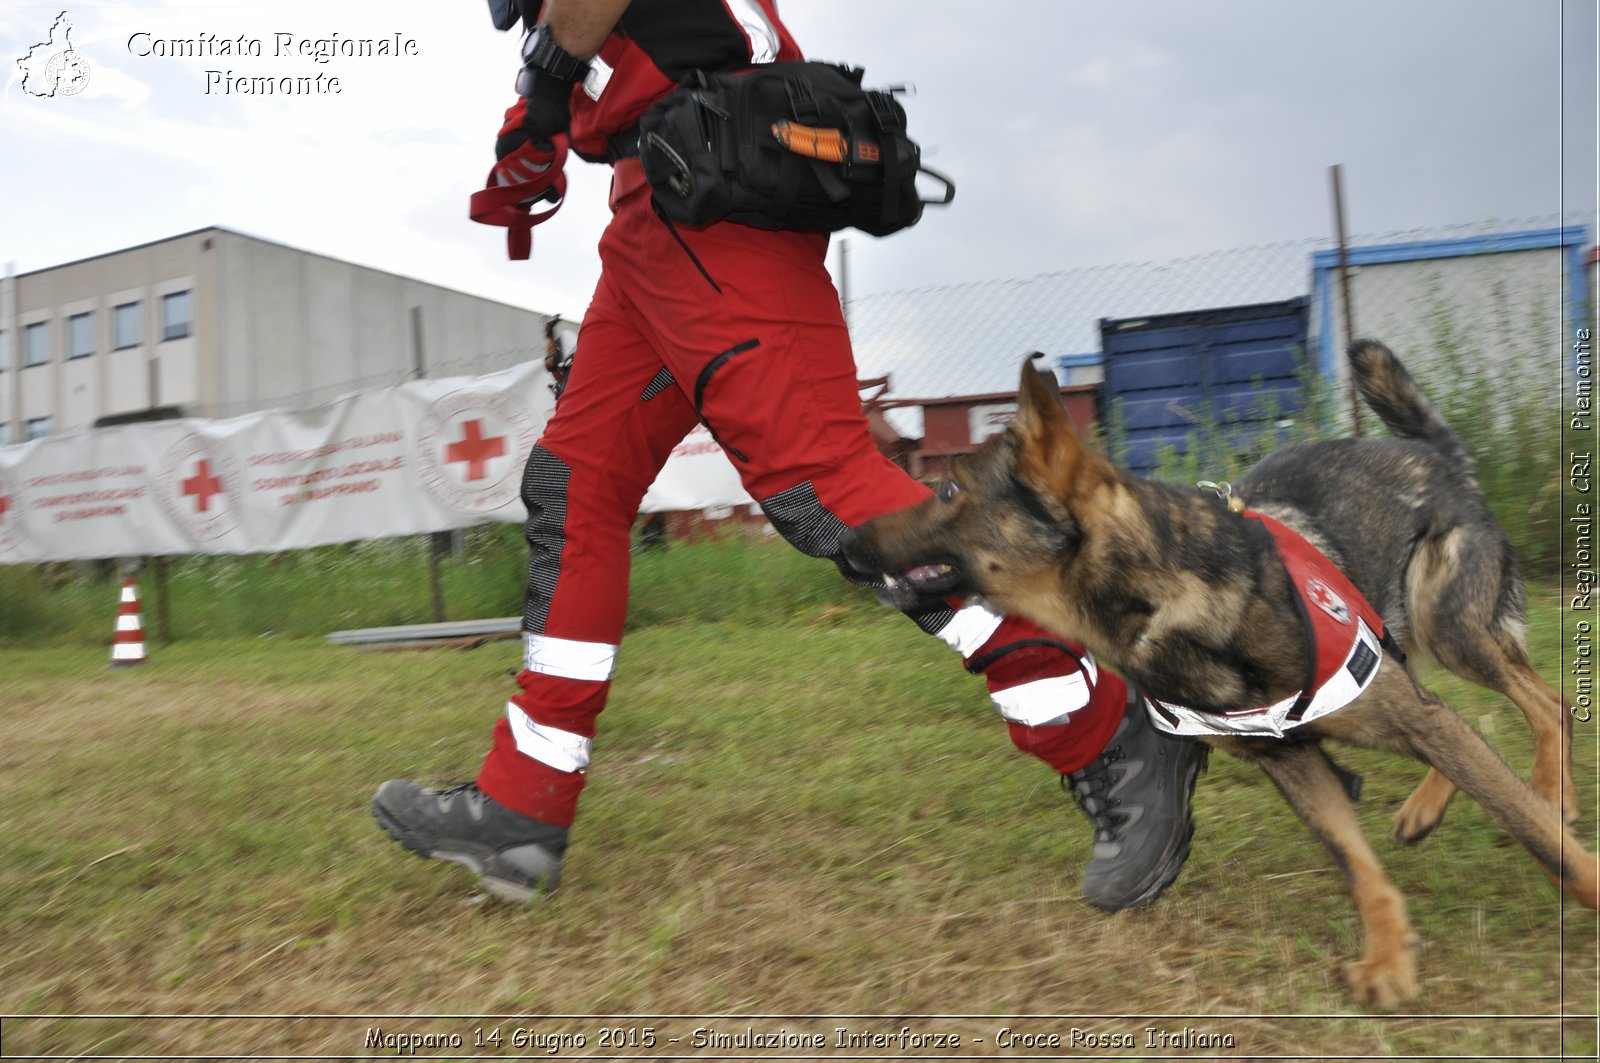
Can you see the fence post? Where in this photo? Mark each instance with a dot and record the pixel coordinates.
(436, 548)
(163, 613)
(1344, 288)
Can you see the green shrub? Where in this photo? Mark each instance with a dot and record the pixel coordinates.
(1508, 426)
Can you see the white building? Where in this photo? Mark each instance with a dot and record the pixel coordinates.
(214, 323)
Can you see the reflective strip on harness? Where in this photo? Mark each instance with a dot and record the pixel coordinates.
(1344, 637)
(1339, 690)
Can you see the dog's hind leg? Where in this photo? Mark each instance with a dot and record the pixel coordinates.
(1396, 713)
(1386, 974)
(1465, 605)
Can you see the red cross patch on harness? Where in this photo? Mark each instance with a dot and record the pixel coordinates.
(1322, 596)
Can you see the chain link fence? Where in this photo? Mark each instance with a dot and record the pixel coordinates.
(969, 339)
(480, 364)
(1484, 315)
(1496, 282)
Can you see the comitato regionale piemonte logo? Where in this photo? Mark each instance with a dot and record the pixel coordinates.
(54, 67)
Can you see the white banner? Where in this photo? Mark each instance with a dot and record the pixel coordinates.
(429, 455)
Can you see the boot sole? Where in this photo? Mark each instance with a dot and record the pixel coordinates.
(497, 887)
(1164, 876)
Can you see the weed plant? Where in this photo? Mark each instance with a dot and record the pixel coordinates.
(1509, 421)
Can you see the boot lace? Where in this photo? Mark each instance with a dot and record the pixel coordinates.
(1091, 788)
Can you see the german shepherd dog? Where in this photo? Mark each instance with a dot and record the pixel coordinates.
(1175, 589)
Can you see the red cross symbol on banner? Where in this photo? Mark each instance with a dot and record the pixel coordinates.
(1327, 601)
(5, 504)
(202, 485)
(475, 449)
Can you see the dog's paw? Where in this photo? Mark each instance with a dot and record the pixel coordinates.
(1384, 981)
(1416, 819)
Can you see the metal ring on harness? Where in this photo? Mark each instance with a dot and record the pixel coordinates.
(681, 182)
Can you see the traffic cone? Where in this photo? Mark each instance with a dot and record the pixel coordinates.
(127, 647)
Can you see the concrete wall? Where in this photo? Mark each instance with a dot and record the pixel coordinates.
(298, 329)
(74, 392)
(271, 326)
(1493, 296)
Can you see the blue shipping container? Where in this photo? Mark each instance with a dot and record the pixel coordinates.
(1228, 376)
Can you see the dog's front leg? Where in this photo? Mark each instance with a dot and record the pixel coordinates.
(1386, 974)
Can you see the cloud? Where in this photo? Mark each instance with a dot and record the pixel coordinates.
(110, 83)
(1077, 133)
(1128, 65)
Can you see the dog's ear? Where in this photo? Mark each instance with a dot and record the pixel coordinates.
(1052, 452)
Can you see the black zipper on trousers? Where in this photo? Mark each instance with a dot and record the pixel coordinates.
(705, 378)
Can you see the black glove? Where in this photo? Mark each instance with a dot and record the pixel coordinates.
(505, 13)
(545, 112)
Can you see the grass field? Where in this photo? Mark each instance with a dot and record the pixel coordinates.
(814, 818)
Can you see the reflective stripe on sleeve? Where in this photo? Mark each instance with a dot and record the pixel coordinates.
(592, 661)
(560, 749)
(1043, 701)
(757, 29)
(969, 630)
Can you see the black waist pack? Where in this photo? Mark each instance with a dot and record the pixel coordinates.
(793, 145)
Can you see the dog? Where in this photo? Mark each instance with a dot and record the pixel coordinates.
(1183, 593)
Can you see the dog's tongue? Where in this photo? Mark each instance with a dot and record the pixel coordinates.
(926, 572)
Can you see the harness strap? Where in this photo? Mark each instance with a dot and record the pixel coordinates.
(623, 145)
(1308, 686)
(673, 229)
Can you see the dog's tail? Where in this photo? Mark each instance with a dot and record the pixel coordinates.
(1397, 400)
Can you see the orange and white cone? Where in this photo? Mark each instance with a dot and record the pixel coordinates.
(127, 648)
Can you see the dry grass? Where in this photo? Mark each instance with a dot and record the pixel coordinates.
(809, 820)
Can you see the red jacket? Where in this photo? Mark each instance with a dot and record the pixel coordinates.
(658, 42)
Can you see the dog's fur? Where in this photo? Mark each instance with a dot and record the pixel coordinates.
(1185, 597)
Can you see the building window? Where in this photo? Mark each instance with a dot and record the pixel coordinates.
(80, 335)
(5, 433)
(36, 343)
(5, 354)
(177, 316)
(38, 427)
(125, 327)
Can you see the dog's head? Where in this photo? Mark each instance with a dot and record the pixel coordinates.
(1004, 526)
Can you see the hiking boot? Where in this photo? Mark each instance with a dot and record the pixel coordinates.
(1136, 794)
(515, 857)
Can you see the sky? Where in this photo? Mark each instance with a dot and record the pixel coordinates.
(1078, 132)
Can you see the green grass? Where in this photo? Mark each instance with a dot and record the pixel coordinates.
(386, 582)
(812, 816)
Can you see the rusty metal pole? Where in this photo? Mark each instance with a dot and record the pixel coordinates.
(1336, 171)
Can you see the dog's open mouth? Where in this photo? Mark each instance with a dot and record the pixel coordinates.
(936, 576)
(919, 583)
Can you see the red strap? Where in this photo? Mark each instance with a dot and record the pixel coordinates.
(509, 203)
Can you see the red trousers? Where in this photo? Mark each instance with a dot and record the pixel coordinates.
(742, 329)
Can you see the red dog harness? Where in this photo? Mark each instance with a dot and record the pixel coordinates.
(1344, 637)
